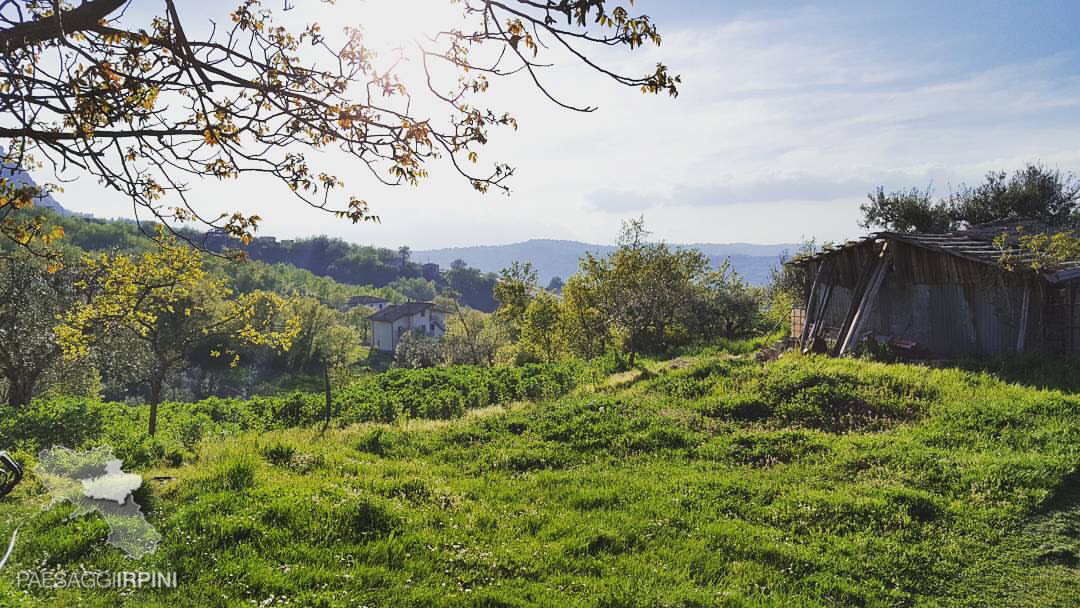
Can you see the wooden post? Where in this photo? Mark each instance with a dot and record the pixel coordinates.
(811, 308)
(865, 302)
(1024, 304)
(816, 322)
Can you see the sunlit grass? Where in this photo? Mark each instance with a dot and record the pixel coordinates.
(715, 481)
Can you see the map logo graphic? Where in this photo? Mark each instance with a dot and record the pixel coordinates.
(94, 481)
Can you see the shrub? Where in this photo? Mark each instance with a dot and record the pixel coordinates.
(233, 475)
(278, 453)
(71, 422)
(447, 392)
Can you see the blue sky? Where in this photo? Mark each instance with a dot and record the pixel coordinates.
(791, 112)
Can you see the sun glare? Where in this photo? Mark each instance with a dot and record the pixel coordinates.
(392, 24)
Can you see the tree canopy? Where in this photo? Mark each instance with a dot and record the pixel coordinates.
(31, 299)
(1034, 193)
(144, 107)
(168, 301)
(653, 297)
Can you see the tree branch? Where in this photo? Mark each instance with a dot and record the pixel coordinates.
(85, 16)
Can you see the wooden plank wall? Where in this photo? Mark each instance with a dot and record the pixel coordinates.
(949, 305)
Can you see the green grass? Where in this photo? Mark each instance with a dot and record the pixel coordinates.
(705, 481)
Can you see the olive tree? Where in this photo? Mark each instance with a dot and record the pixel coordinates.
(31, 300)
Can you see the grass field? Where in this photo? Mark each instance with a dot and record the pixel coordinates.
(708, 480)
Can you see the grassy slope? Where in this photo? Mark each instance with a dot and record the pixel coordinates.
(804, 482)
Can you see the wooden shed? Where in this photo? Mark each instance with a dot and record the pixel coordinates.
(941, 295)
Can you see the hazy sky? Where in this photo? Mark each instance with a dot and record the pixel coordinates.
(790, 113)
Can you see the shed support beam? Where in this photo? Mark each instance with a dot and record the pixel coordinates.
(863, 303)
(1025, 304)
(819, 320)
(811, 302)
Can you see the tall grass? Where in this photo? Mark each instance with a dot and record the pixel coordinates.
(802, 482)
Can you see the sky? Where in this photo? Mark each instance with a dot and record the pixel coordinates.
(789, 114)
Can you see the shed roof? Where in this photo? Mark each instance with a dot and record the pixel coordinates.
(975, 244)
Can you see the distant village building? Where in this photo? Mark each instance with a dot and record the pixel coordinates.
(373, 302)
(392, 322)
(431, 271)
(946, 295)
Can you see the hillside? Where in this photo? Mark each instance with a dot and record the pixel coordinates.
(348, 266)
(709, 480)
(556, 258)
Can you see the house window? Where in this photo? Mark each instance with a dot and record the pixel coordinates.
(432, 327)
(422, 313)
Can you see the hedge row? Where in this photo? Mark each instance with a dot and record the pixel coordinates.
(438, 393)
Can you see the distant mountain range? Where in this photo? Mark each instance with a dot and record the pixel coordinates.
(554, 258)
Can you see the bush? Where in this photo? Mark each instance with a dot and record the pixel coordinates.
(438, 393)
(446, 392)
(417, 350)
(278, 453)
(71, 422)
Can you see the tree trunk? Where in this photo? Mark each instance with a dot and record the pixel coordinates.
(21, 387)
(20, 391)
(155, 398)
(329, 398)
(200, 384)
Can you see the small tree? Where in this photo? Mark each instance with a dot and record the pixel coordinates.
(167, 301)
(513, 291)
(414, 289)
(905, 211)
(642, 288)
(416, 350)
(540, 333)
(336, 349)
(555, 285)
(472, 337)
(324, 339)
(583, 324)
(723, 305)
(1034, 193)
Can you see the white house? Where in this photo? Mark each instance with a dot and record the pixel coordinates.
(392, 322)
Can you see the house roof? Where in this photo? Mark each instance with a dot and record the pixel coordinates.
(358, 300)
(398, 311)
(975, 244)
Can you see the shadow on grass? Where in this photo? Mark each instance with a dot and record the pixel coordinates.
(1056, 527)
(1036, 371)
